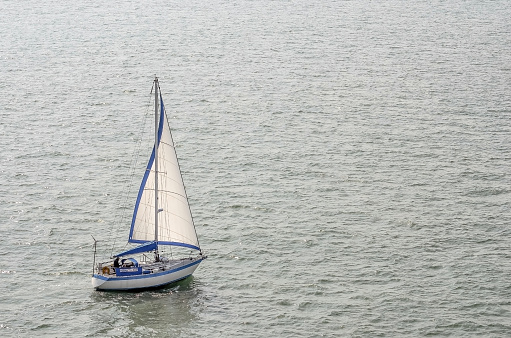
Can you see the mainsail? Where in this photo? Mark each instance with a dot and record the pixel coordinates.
(175, 223)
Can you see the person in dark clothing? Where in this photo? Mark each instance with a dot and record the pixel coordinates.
(116, 262)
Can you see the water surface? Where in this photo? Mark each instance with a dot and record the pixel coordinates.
(347, 164)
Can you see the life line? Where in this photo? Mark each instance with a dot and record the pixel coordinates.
(106, 270)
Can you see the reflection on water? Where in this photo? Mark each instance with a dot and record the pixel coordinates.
(147, 313)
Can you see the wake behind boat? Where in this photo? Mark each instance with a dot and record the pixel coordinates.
(161, 218)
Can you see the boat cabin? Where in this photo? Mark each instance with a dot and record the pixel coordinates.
(129, 267)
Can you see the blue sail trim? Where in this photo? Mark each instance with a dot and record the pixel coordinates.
(140, 192)
(146, 174)
(146, 247)
(162, 120)
(186, 245)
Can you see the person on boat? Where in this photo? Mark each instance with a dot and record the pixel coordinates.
(116, 262)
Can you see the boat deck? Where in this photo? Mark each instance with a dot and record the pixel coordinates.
(149, 267)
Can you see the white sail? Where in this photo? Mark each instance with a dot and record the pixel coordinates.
(175, 223)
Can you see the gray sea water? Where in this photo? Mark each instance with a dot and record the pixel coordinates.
(347, 165)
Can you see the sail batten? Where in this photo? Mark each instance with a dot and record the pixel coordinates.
(175, 222)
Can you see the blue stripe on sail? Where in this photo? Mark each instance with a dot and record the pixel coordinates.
(146, 175)
(180, 244)
(162, 119)
(140, 192)
(186, 245)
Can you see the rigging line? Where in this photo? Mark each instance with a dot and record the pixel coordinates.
(127, 187)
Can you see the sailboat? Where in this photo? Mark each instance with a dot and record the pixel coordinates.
(161, 219)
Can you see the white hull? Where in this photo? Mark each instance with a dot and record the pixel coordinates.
(151, 280)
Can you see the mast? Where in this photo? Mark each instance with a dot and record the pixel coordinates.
(156, 87)
(94, 262)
